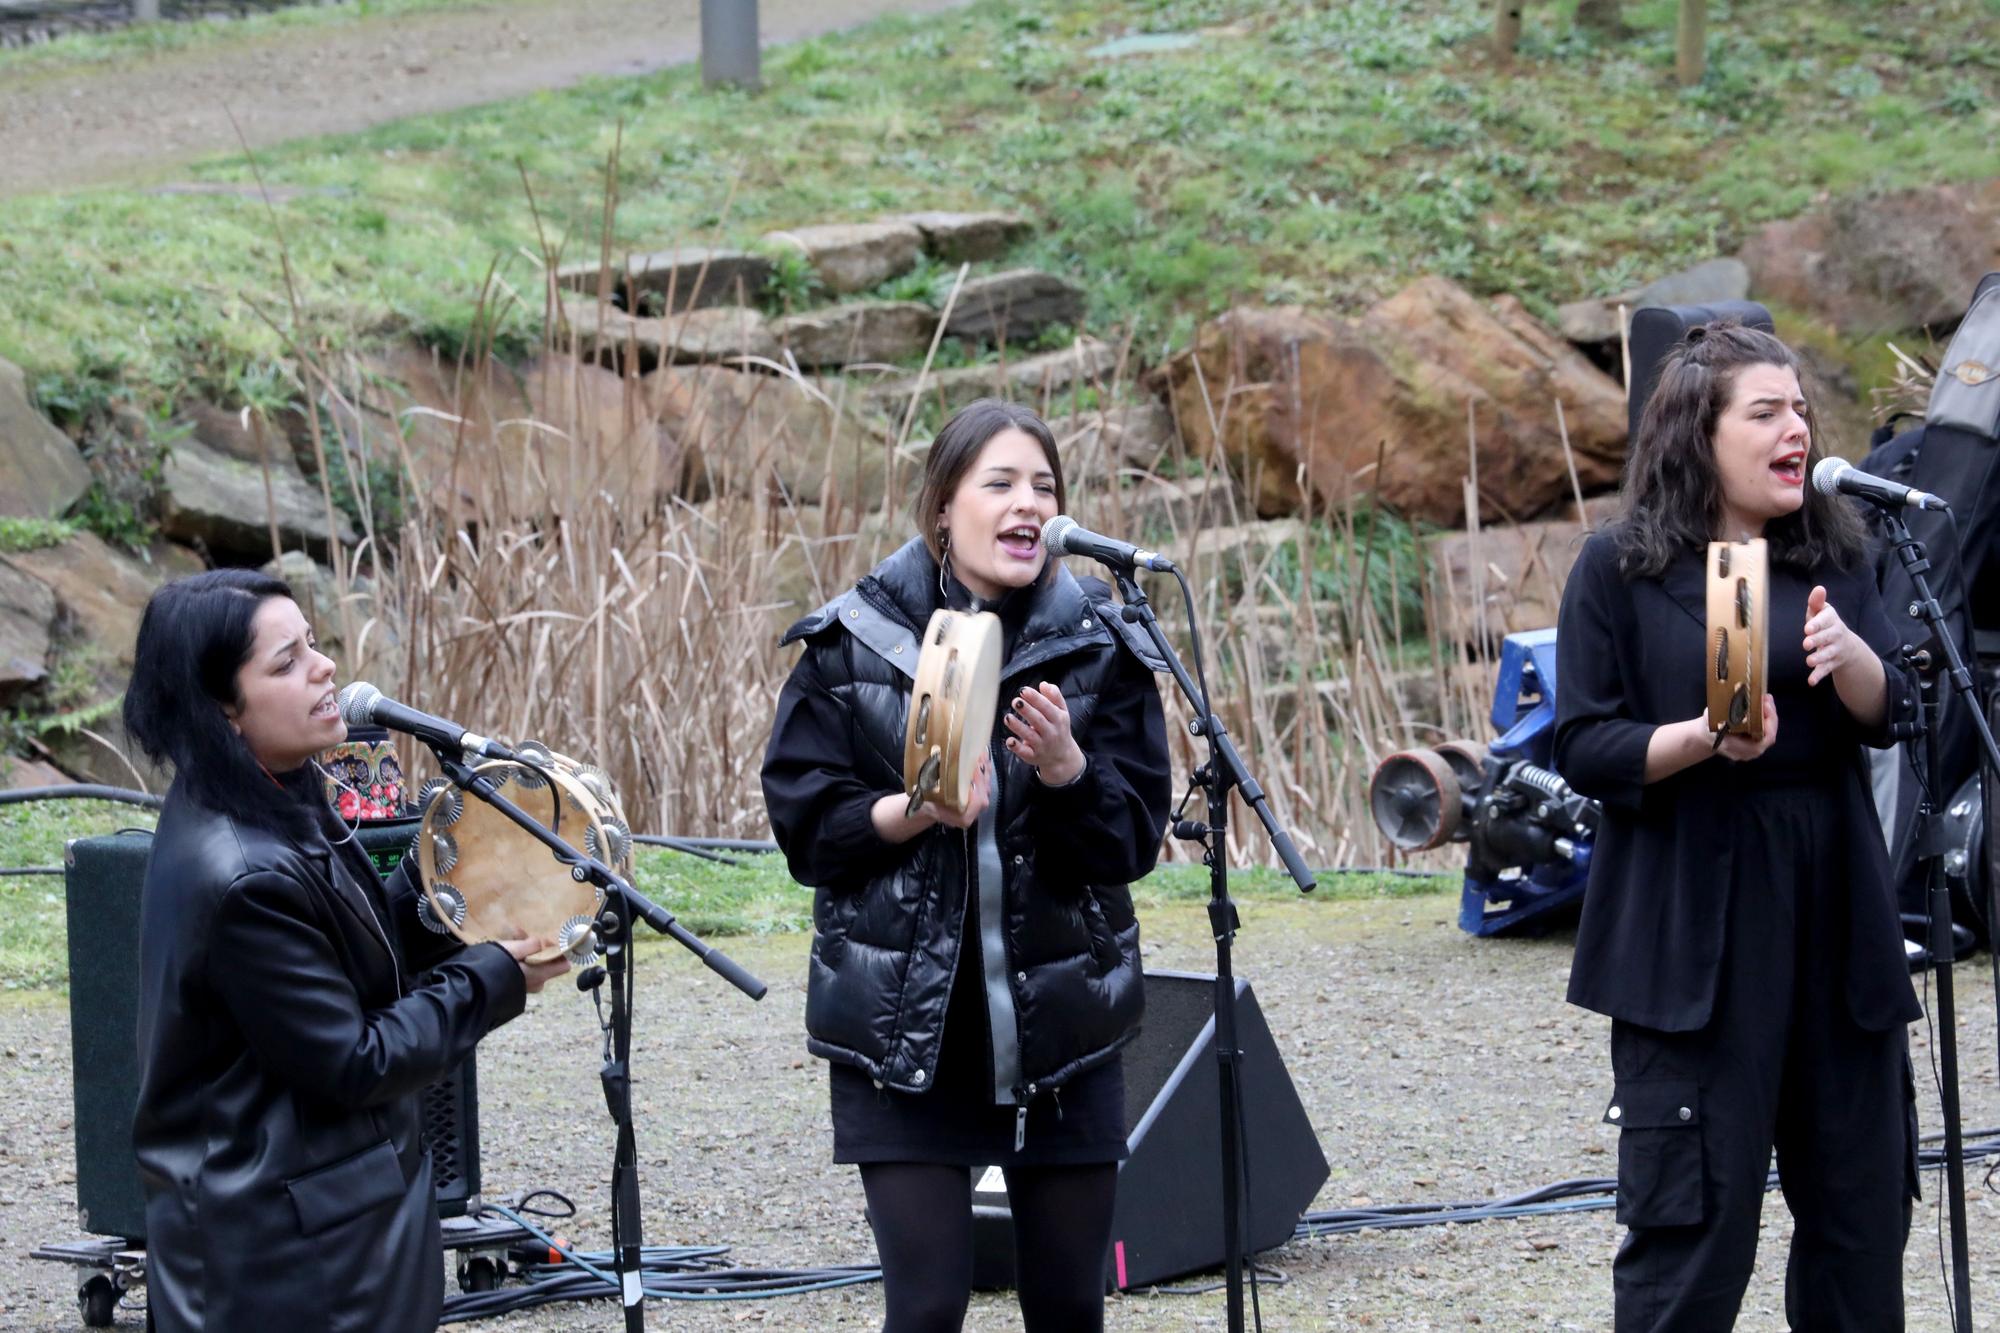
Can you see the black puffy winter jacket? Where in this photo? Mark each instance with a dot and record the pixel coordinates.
(1059, 943)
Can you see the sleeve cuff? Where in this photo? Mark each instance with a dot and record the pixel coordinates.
(851, 825)
(506, 987)
(1076, 797)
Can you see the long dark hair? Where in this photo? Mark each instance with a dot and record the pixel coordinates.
(957, 447)
(193, 640)
(1673, 491)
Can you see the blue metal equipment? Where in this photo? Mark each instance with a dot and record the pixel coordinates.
(1527, 834)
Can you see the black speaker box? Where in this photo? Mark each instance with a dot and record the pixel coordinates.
(1168, 1217)
(102, 878)
(1654, 331)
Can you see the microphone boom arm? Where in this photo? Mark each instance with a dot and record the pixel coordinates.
(588, 869)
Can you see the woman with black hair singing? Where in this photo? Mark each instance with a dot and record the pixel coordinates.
(282, 1034)
(975, 975)
(1740, 925)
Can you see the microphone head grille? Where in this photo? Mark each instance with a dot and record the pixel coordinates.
(1826, 475)
(357, 703)
(1055, 532)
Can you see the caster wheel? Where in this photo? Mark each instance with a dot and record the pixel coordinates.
(98, 1299)
(478, 1274)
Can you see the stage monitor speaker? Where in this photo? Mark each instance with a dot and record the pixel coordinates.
(102, 877)
(1167, 1220)
(1654, 331)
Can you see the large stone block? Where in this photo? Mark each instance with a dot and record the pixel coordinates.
(858, 332)
(99, 588)
(608, 335)
(958, 238)
(1014, 307)
(223, 503)
(854, 256)
(667, 281)
(1509, 577)
(1045, 382)
(41, 472)
(1596, 320)
(1304, 405)
(27, 618)
(1879, 263)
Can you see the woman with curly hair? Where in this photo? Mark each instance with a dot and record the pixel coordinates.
(1740, 923)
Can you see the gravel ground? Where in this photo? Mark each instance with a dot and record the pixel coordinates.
(1435, 1067)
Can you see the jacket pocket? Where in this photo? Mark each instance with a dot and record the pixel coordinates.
(1659, 1151)
(345, 1190)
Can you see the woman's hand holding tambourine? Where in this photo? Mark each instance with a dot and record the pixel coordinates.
(1743, 749)
(975, 803)
(1041, 739)
(893, 822)
(537, 975)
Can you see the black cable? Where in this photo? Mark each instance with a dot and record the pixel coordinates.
(1568, 1196)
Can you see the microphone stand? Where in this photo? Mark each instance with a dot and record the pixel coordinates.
(1928, 833)
(1223, 771)
(622, 903)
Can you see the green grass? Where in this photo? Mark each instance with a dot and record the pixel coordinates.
(755, 897)
(34, 934)
(33, 534)
(1300, 152)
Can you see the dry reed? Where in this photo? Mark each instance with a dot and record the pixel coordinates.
(605, 560)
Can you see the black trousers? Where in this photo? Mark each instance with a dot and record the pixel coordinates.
(1780, 1065)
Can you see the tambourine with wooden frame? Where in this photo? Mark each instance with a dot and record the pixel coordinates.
(952, 705)
(1738, 578)
(486, 878)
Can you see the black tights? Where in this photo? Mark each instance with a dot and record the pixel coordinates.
(923, 1234)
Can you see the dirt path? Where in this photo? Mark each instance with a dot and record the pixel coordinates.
(136, 119)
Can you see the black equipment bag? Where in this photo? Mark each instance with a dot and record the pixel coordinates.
(1954, 453)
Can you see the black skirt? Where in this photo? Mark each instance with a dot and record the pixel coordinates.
(957, 1122)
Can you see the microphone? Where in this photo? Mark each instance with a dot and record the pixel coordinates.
(362, 704)
(1837, 476)
(1063, 535)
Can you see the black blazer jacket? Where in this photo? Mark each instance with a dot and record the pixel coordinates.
(282, 1040)
(1629, 658)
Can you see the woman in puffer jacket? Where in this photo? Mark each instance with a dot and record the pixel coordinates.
(974, 976)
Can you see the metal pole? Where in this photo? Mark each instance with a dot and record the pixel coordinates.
(729, 43)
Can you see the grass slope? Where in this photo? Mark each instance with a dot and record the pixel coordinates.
(1298, 151)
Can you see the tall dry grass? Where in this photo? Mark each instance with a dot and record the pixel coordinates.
(604, 560)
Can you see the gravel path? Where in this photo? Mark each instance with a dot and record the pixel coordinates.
(134, 119)
(1435, 1067)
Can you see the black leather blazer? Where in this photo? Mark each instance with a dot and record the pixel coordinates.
(281, 1042)
(1047, 867)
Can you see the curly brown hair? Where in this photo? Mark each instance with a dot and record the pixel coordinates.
(1673, 492)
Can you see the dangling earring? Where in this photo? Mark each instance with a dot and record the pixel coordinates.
(944, 559)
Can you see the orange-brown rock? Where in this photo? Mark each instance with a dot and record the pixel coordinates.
(1303, 402)
(1881, 263)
